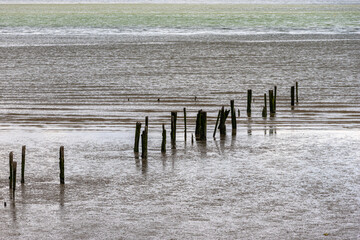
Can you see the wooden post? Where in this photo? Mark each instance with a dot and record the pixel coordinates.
(216, 125)
(292, 96)
(192, 138)
(144, 143)
(238, 112)
(173, 128)
(23, 164)
(11, 159)
(233, 117)
(137, 137)
(185, 124)
(146, 121)
(249, 98)
(163, 143)
(275, 96)
(62, 166)
(14, 178)
(200, 129)
(264, 112)
(271, 102)
(223, 115)
(297, 92)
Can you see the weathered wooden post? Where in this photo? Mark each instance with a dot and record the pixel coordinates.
(249, 98)
(137, 137)
(238, 112)
(292, 96)
(185, 124)
(192, 138)
(217, 121)
(173, 128)
(14, 178)
(23, 164)
(11, 159)
(271, 102)
(275, 96)
(233, 117)
(223, 116)
(62, 166)
(264, 111)
(146, 121)
(200, 129)
(163, 143)
(144, 143)
(297, 92)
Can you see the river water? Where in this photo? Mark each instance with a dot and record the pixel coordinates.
(83, 82)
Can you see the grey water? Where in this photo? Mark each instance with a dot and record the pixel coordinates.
(291, 176)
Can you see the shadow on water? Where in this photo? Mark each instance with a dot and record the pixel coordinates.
(62, 195)
(137, 161)
(202, 148)
(144, 166)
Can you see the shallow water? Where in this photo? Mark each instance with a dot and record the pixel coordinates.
(292, 176)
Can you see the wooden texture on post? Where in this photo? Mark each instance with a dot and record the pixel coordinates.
(137, 137)
(23, 152)
(146, 121)
(249, 98)
(264, 111)
(11, 159)
(297, 92)
(216, 124)
(233, 116)
(144, 143)
(14, 177)
(223, 116)
(185, 124)
(163, 143)
(275, 96)
(201, 128)
(292, 96)
(62, 165)
(173, 128)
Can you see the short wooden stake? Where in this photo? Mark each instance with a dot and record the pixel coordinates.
(173, 128)
(275, 96)
(146, 121)
(137, 137)
(185, 124)
(201, 128)
(297, 92)
(163, 143)
(11, 159)
(292, 96)
(233, 116)
(23, 152)
(249, 98)
(62, 166)
(14, 178)
(217, 122)
(264, 111)
(271, 102)
(192, 138)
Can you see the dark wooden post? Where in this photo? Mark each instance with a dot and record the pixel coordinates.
(297, 92)
(192, 138)
(217, 122)
(185, 124)
(233, 117)
(249, 98)
(11, 159)
(200, 129)
(144, 143)
(163, 143)
(264, 111)
(62, 166)
(275, 96)
(223, 116)
(238, 112)
(137, 137)
(14, 178)
(146, 121)
(292, 96)
(173, 128)
(271, 102)
(23, 164)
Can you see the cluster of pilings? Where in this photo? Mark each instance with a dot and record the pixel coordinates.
(201, 121)
(13, 168)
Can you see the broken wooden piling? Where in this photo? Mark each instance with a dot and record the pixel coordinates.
(11, 159)
(233, 117)
(275, 97)
(292, 96)
(173, 128)
(271, 102)
(297, 92)
(185, 124)
(23, 151)
(14, 166)
(144, 139)
(217, 122)
(264, 111)
(249, 98)
(201, 128)
(137, 137)
(223, 116)
(163, 143)
(62, 165)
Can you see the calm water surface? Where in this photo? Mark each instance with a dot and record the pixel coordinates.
(292, 176)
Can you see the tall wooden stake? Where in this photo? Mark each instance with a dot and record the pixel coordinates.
(144, 139)
(14, 178)
(173, 128)
(249, 98)
(275, 96)
(23, 152)
(271, 102)
(62, 166)
(137, 137)
(11, 159)
(264, 111)
(163, 143)
(233, 117)
(185, 124)
(297, 92)
(292, 96)
(216, 125)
